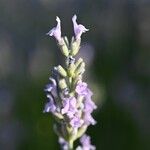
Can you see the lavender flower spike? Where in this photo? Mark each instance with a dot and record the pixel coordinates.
(78, 28)
(56, 31)
(69, 98)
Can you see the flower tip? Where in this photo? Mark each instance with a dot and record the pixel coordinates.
(74, 17)
(50, 33)
(57, 19)
(86, 29)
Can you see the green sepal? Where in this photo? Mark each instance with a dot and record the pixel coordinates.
(64, 47)
(80, 69)
(61, 71)
(78, 62)
(71, 70)
(62, 84)
(58, 116)
(81, 131)
(75, 46)
(66, 41)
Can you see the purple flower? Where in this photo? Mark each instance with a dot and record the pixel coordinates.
(52, 87)
(76, 122)
(69, 106)
(86, 143)
(88, 119)
(89, 105)
(56, 31)
(50, 106)
(78, 28)
(81, 88)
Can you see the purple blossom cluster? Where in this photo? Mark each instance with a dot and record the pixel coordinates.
(69, 98)
(78, 115)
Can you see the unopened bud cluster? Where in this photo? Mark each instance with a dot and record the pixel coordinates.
(69, 98)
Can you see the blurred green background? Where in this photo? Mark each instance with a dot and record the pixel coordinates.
(117, 54)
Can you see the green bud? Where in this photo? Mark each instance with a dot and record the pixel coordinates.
(66, 41)
(77, 78)
(63, 47)
(62, 84)
(71, 94)
(69, 129)
(80, 69)
(75, 46)
(78, 62)
(58, 116)
(61, 71)
(73, 134)
(81, 131)
(71, 70)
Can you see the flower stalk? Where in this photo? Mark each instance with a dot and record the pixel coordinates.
(70, 144)
(69, 98)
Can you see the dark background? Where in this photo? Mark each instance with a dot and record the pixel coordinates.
(117, 54)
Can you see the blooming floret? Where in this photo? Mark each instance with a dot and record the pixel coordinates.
(56, 31)
(86, 143)
(78, 28)
(69, 106)
(76, 122)
(81, 88)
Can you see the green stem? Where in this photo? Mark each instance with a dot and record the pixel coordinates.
(70, 144)
(70, 82)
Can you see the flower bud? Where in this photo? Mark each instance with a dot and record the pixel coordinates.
(62, 84)
(76, 79)
(81, 131)
(75, 46)
(63, 47)
(66, 41)
(61, 71)
(58, 115)
(73, 134)
(78, 62)
(71, 70)
(80, 69)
